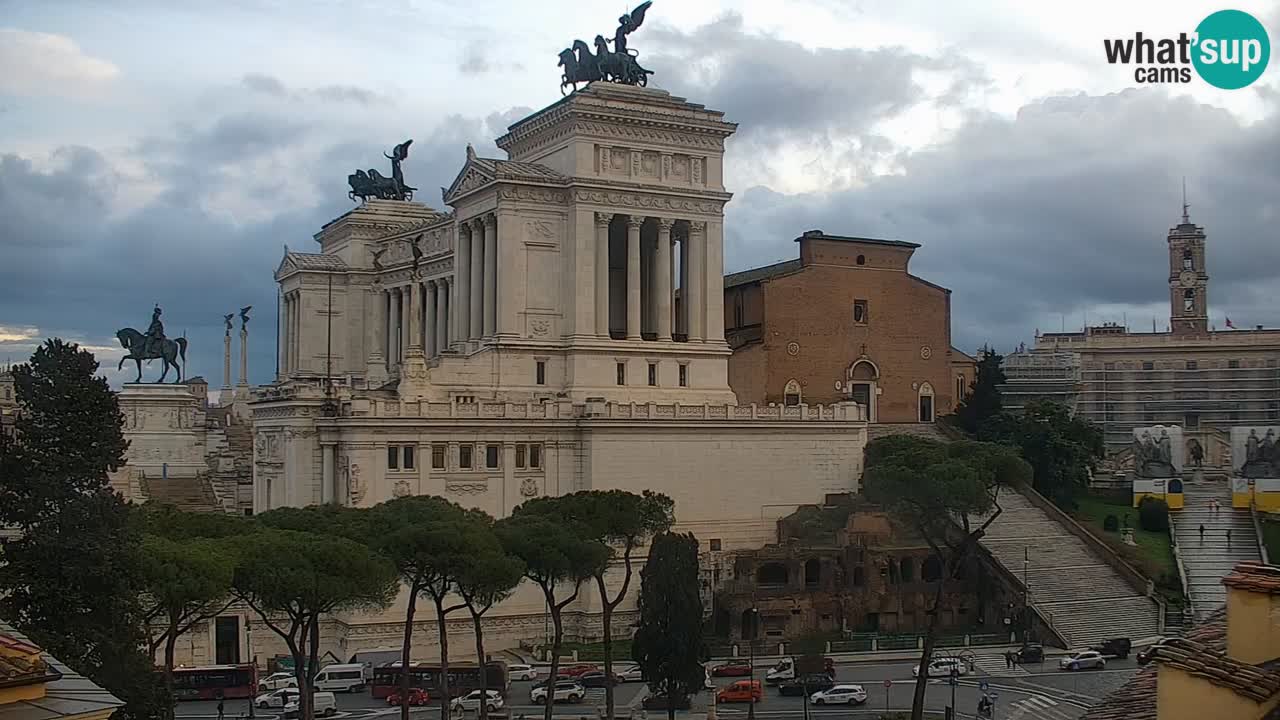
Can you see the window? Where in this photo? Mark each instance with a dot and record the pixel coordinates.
(1233, 364)
(622, 373)
(772, 574)
(1188, 261)
(1109, 366)
(395, 453)
(464, 399)
(684, 376)
(464, 456)
(862, 260)
(1192, 421)
(715, 544)
(408, 457)
(541, 372)
(960, 384)
(393, 457)
(437, 456)
(535, 456)
(491, 456)
(521, 451)
(1188, 300)
(1148, 365)
(791, 393)
(1192, 365)
(653, 374)
(812, 572)
(860, 312)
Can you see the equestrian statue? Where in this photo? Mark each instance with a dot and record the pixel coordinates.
(619, 65)
(373, 184)
(153, 345)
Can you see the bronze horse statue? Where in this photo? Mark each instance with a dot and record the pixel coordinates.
(169, 351)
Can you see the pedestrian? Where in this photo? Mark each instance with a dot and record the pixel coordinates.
(1201, 532)
(1008, 659)
(221, 706)
(1228, 537)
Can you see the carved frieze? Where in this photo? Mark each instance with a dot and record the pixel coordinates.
(648, 202)
(466, 488)
(532, 194)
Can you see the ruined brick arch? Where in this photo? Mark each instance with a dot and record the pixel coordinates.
(812, 571)
(772, 573)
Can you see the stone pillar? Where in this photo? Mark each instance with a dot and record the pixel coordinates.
(713, 300)
(490, 275)
(633, 276)
(475, 303)
(293, 332)
(429, 319)
(393, 334)
(462, 274)
(244, 356)
(602, 273)
(697, 276)
(376, 332)
(407, 303)
(443, 331)
(226, 360)
(662, 279)
(413, 328)
(282, 342)
(328, 487)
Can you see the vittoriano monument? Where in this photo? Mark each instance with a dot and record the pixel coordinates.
(620, 66)
(373, 184)
(153, 345)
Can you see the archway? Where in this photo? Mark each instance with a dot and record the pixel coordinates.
(771, 574)
(791, 394)
(863, 376)
(812, 572)
(926, 403)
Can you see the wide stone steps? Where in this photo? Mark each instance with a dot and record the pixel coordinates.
(185, 493)
(1048, 584)
(1088, 622)
(1209, 558)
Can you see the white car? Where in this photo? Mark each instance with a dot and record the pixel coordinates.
(471, 701)
(846, 694)
(630, 673)
(276, 698)
(322, 704)
(1083, 659)
(943, 667)
(566, 691)
(522, 672)
(275, 681)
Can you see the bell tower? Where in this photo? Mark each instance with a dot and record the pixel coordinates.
(1188, 278)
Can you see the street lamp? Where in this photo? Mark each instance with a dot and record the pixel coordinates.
(248, 641)
(751, 662)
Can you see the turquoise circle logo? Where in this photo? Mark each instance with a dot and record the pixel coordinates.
(1232, 49)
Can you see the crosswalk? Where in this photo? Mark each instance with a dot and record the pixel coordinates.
(1039, 707)
(995, 665)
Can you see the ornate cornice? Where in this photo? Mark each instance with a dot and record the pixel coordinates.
(644, 201)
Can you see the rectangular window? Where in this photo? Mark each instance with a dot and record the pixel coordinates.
(541, 372)
(491, 456)
(535, 456)
(1192, 365)
(715, 544)
(521, 450)
(1233, 364)
(860, 312)
(393, 457)
(653, 374)
(684, 376)
(1148, 365)
(622, 373)
(464, 456)
(437, 456)
(408, 457)
(1109, 366)
(1192, 421)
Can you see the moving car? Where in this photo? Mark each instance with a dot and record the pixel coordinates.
(522, 672)
(1144, 655)
(786, 670)
(472, 701)
(323, 703)
(565, 691)
(846, 694)
(943, 667)
(340, 678)
(811, 683)
(731, 669)
(275, 681)
(277, 698)
(417, 696)
(578, 669)
(596, 679)
(630, 673)
(1114, 647)
(1083, 659)
(750, 691)
(1030, 654)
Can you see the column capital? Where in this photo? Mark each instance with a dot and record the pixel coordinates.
(635, 221)
(489, 220)
(697, 227)
(477, 224)
(603, 219)
(443, 281)
(665, 224)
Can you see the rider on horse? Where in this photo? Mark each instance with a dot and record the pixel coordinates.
(155, 333)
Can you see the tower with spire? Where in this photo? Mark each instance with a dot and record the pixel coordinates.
(1188, 277)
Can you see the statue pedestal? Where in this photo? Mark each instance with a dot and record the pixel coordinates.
(414, 376)
(165, 427)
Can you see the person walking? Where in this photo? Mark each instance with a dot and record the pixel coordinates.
(1201, 532)
(221, 706)
(1228, 537)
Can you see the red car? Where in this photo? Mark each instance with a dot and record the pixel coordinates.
(574, 671)
(737, 669)
(417, 696)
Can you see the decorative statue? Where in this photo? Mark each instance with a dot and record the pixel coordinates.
(1150, 459)
(153, 345)
(377, 259)
(244, 316)
(374, 184)
(226, 319)
(619, 65)
(1261, 457)
(1195, 452)
(415, 245)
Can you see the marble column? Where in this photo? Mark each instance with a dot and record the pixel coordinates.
(602, 273)
(662, 279)
(490, 275)
(226, 360)
(282, 342)
(633, 276)
(462, 274)
(393, 335)
(244, 356)
(406, 319)
(697, 310)
(328, 492)
(443, 331)
(413, 328)
(429, 319)
(377, 328)
(475, 303)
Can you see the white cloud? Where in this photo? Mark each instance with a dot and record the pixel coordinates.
(37, 63)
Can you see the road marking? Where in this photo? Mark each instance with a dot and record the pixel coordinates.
(996, 665)
(1037, 707)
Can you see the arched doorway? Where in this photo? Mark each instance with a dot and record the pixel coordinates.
(926, 403)
(863, 375)
(812, 572)
(750, 624)
(791, 395)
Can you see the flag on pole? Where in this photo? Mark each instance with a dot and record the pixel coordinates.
(1229, 324)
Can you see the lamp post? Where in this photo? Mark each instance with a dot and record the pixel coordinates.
(248, 642)
(751, 662)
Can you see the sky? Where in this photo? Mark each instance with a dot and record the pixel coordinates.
(159, 152)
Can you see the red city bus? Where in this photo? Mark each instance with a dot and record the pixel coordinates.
(213, 681)
(463, 678)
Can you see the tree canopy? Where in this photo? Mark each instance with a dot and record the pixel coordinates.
(1063, 449)
(668, 642)
(982, 401)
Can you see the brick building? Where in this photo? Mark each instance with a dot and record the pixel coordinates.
(847, 320)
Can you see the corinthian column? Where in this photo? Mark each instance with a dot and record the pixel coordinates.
(602, 273)
(442, 314)
(429, 319)
(462, 273)
(633, 276)
(662, 279)
(697, 308)
(476, 301)
(490, 275)
(244, 356)
(226, 360)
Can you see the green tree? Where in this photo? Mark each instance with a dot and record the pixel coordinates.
(552, 553)
(622, 520)
(982, 401)
(1063, 450)
(488, 579)
(292, 579)
(70, 579)
(425, 538)
(668, 643)
(948, 494)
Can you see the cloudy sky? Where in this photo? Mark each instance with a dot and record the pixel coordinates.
(160, 152)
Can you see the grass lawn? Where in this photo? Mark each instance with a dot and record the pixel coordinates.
(1153, 555)
(1271, 536)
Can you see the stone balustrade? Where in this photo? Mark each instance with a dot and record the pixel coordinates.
(601, 410)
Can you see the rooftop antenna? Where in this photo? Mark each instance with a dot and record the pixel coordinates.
(1186, 219)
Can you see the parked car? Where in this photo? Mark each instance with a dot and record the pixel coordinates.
(578, 669)
(814, 682)
(1114, 647)
(847, 694)
(731, 669)
(277, 698)
(522, 672)
(417, 696)
(565, 691)
(659, 702)
(323, 704)
(275, 681)
(473, 700)
(943, 667)
(1144, 655)
(630, 673)
(1030, 654)
(749, 691)
(1083, 659)
(596, 679)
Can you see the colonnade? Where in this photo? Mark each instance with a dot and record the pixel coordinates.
(674, 259)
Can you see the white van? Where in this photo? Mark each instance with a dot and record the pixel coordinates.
(340, 678)
(323, 704)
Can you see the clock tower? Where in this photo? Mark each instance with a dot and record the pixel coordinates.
(1188, 279)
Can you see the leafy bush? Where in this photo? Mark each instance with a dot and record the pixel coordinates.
(1111, 523)
(1153, 514)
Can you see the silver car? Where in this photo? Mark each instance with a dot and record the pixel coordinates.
(1083, 659)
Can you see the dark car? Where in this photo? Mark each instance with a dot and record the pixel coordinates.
(807, 685)
(1115, 647)
(659, 702)
(595, 679)
(1144, 655)
(733, 669)
(1030, 654)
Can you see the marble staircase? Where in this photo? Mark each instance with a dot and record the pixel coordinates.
(1210, 559)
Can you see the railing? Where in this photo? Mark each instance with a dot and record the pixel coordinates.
(1257, 532)
(598, 409)
(1182, 571)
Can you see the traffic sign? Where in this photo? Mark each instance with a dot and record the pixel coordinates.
(888, 683)
(982, 685)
